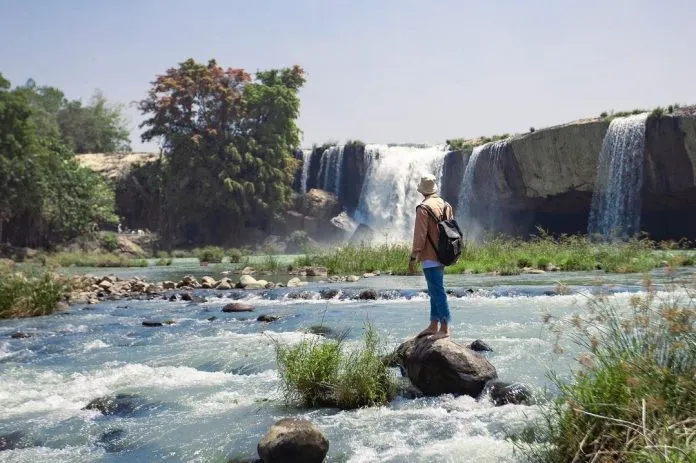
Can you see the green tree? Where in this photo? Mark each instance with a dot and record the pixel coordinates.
(228, 140)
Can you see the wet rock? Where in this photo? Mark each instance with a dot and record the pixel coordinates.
(151, 323)
(120, 405)
(169, 285)
(234, 307)
(225, 284)
(21, 335)
(369, 275)
(329, 293)
(502, 393)
(267, 318)
(326, 331)
(316, 271)
(352, 278)
(367, 294)
(293, 440)
(208, 282)
(441, 366)
(15, 440)
(249, 282)
(296, 282)
(248, 271)
(173, 298)
(480, 346)
(106, 284)
(533, 271)
(306, 295)
(212, 319)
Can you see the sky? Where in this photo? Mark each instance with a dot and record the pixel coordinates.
(381, 71)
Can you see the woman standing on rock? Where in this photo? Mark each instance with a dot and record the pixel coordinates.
(425, 235)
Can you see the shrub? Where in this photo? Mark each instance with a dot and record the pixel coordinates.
(318, 372)
(211, 254)
(163, 261)
(633, 398)
(532, 129)
(659, 111)
(29, 294)
(235, 255)
(524, 262)
(297, 241)
(162, 255)
(604, 115)
(110, 241)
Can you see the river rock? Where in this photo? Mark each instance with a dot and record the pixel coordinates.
(106, 284)
(329, 293)
(480, 346)
(249, 282)
(293, 440)
(21, 335)
(224, 284)
(367, 294)
(369, 275)
(15, 440)
(296, 282)
(441, 366)
(151, 323)
(248, 271)
(168, 285)
(120, 404)
(234, 307)
(267, 318)
(208, 282)
(502, 393)
(352, 278)
(316, 271)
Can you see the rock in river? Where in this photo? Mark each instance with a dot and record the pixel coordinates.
(441, 366)
(293, 440)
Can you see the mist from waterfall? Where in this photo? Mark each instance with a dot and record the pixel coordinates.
(389, 195)
(616, 202)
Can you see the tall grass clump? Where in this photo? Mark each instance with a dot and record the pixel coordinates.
(361, 258)
(235, 255)
(212, 254)
(30, 293)
(328, 373)
(634, 396)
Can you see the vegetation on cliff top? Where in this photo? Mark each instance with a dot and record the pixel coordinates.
(633, 397)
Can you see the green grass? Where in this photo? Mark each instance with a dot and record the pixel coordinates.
(163, 262)
(633, 397)
(507, 256)
(29, 293)
(85, 259)
(326, 373)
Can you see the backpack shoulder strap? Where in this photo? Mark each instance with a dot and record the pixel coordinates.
(432, 215)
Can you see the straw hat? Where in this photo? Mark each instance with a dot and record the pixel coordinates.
(428, 185)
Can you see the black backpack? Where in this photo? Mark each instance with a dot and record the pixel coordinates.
(451, 242)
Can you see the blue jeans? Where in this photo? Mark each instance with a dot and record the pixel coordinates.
(439, 308)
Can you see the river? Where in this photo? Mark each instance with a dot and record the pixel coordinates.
(205, 389)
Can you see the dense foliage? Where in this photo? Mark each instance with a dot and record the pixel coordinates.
(228, 141)
(98, 127)
(45, 196)
(28, 294)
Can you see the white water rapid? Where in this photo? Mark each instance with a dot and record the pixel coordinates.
(389, 195)
(306, 158)
(616, 204)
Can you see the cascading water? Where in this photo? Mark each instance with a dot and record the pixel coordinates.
(616, 204)
(389, 195)
(306, 157)
(330, 168)
(482, 187)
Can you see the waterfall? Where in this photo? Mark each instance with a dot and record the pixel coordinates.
(306, 158)
(483, 187)
(389, 195)
(330, 168)
(616, 204)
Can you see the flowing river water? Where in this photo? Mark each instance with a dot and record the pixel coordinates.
(206, 389)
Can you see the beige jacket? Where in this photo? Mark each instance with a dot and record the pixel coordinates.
(425, 225)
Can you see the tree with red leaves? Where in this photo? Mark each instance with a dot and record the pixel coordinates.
(228, 139)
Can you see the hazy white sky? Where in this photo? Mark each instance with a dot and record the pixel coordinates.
(378, 70)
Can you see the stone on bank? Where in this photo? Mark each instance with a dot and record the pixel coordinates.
(293, 440)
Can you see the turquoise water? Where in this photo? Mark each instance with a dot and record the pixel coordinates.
(206, 389)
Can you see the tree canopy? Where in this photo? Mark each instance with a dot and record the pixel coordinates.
(228, 139)
(45, 196)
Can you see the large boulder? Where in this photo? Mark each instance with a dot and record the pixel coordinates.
(293, 440)
(441, 366)
(319, 204)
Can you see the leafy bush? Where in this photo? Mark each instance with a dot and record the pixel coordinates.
(110, 241)
(235, 255)
(633, 398)
(163, 261)
(319, 372)
(29, 294)
(297, 241)
(162, 255)
(211, 254)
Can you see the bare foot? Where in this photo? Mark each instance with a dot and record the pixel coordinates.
(441, 335)
(430, 330)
